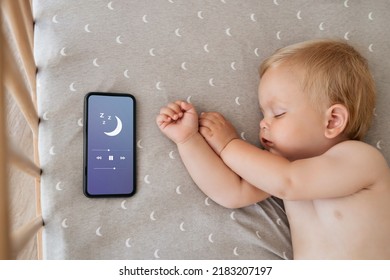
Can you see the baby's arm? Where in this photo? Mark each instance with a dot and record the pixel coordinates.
(344, 169)
(179, 122)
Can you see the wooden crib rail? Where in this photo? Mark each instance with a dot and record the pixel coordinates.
(17, 15)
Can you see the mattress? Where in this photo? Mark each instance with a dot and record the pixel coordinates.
(204, 52)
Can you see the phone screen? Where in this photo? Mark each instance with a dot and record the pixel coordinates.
(109, 144)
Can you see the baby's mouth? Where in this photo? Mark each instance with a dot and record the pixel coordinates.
(266, 143)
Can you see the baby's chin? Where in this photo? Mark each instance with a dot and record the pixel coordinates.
(274, 151)
(288, 156)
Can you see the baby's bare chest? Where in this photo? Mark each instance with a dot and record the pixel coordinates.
(324, 213)
(337, 220)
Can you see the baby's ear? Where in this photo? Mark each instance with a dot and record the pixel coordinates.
(336, 120)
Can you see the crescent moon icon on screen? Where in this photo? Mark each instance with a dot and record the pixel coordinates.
(117, 130)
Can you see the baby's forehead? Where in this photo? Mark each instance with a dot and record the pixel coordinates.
(279, 84)
(271, 100)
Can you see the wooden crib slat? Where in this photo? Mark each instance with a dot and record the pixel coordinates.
(26, 10)
(5, 252)
(16, 86)
(13, 13)
(24, 164)
(19, 19)
(20, 238)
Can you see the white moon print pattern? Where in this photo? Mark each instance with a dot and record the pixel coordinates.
(204, 52)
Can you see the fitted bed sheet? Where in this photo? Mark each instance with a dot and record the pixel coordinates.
(205, 52)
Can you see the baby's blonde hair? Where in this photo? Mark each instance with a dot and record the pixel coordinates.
(334, 73)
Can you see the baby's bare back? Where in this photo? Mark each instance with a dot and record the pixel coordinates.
(351, 227)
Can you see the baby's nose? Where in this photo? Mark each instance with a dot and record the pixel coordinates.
(264, 124)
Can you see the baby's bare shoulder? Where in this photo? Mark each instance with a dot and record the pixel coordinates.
(357, 150)
(363, 155)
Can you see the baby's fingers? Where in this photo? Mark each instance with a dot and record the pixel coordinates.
(163, 120)
(204, 121)
(172, 111)
(205, 132)
(214, 117)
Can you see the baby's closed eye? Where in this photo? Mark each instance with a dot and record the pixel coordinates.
(278, 115)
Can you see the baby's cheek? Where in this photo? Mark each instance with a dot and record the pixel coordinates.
(287, 137)
(283, 133)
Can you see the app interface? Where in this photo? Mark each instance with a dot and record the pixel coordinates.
(110, 145)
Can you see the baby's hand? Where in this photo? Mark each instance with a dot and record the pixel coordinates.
(217, 131)
(178, 121)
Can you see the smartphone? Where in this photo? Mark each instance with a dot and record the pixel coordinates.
(109, 144)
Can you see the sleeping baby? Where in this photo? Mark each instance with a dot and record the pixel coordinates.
(317, 100)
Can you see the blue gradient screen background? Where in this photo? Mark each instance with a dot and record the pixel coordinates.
(110, 159)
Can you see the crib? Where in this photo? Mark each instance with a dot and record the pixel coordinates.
(20, 23)
(205, 52)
